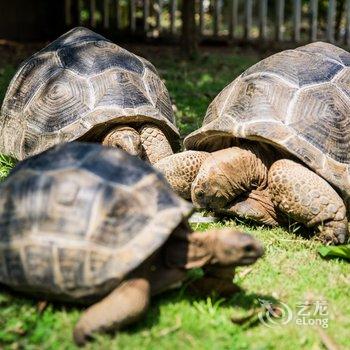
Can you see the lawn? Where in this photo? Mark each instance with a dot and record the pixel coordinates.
(291, 271)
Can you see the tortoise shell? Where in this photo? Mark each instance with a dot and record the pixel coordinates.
(76, 219)
(76, 88)
(297, 100)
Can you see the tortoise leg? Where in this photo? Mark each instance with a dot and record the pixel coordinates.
(123, 306)
(309, 199)
(155, 143)
(256, 206)
(181, 169)
(125, 138)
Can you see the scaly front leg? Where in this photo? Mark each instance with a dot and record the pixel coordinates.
(181, 169)
(257, 206)
(125, 138)
(120, 308)
(155, 144)
(307, 198)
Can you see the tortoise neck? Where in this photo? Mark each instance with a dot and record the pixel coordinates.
(187, 249)
(155, 143)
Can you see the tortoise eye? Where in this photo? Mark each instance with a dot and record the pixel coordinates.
(200, 194)
(249, 248)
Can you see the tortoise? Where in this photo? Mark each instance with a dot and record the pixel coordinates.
(275, 144)
(84, 87)
(91, 224)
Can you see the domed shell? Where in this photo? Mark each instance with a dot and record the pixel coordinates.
(75, 220)
(297, 100)
(76, 88)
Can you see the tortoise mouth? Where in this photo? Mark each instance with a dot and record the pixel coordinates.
(249, 260)
(218, 205)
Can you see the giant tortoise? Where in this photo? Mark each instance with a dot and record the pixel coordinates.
(86, 223)
(280, 141)
(83, 86)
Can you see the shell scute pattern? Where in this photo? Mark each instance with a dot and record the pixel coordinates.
(299, 68)
(124, 218)
(148, 65)
(76, 36)
(118, 87)
(34, 73)
(74, 230)
(297, 100)
(262, 99)
(342, 81)
(67, 192)
(164, 198)
(158, 94)
(94, 58)
(53, 161)
(99, 266)
(220, 102)
(320, 116)
(13, 267)
(109, 168)
(62, 89)
(80, 83)
(71, 264)
(330, 51)
(73, 216)
(14, 218)
(40, 265)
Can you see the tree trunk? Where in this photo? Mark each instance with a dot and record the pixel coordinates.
(31, 19)
(338, 18)
(189, 30)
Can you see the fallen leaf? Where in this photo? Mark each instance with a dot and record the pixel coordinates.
(340, 251)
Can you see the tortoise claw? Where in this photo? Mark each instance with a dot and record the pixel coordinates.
(80, 336)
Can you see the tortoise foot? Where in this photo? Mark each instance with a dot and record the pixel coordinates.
(309, 199)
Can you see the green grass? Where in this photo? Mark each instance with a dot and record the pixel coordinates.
(6, 164)
(290, 272)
